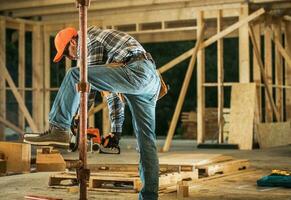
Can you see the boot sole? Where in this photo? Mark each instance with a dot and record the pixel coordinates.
(48, 143)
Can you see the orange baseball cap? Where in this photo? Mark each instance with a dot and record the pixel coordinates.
(62, 39)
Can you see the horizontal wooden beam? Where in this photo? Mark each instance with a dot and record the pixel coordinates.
(54, 6)
(147, 14)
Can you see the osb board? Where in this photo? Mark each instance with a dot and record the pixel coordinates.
(242, 112)
(18, 156)
(274, 134)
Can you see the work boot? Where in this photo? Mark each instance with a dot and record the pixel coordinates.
(54, 136)
(110, 144)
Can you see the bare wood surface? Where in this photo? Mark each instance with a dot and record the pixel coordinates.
(183, 93)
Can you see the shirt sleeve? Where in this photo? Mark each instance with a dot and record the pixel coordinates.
(116, 112)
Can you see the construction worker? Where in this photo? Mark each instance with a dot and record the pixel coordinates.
(119, 64)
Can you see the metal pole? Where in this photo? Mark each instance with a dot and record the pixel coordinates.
(83, 88)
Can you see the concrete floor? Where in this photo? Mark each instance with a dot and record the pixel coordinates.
(242, 186)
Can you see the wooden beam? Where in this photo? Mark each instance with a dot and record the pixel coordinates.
(288, 69)
(269, 72)
(183, 91)
(37, 76)
(211, 40)
(97, 108)
(21, 70)
(6, 75)
(47, 74)
(220, 78)
(2, 79)
(264, 78)
(11, 125)
(244, 47)
(200, 82)
(105, 118)
(279, 70)
(256, 71)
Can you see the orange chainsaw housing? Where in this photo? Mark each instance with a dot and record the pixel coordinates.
(95, 133)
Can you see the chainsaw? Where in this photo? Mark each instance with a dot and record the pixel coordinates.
(96, 142)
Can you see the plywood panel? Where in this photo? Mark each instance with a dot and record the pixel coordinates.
(274, 134)
(242, 112)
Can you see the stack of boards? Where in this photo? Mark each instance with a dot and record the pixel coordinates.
(174, 168)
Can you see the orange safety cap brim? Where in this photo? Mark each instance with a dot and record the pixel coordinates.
(62, 39)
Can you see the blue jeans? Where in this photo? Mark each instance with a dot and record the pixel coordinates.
(140, 84)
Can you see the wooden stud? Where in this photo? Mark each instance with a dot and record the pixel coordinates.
(2, 79)
(256, 71)
(200, 82)
(258, 57)
(11, 125)
(279, 71)
(105, 119)
(244, 52)
(37, 76)
(18, 98)
(183, 91)
(268, 71)
(288, 68)
(21, 70)
(97, 108)
(47, 74)
(220, 78)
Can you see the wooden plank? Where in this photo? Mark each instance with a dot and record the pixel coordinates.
(97, 108)
(288, 69)
(279, 71)
(18, 98)
(223, 167)
(18, 156)
(243, 95)
(2, 79)
(256, 68)
(47, 72)
(258, 57)
(268, 72)
(220, 78)
(37, 76)
(21, 70)
(274, 134)
(244, 46)
(200, 82)
(183, 91)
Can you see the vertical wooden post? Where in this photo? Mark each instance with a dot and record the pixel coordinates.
(105, 118)
(21, 70)
(47, 75)
(279, 70)
(2, 79)
(220, 78)
(37, 76)
(68, 63)
(244, 52)
(288, 69)
(200, 82)
(268, 71)
(256, 70)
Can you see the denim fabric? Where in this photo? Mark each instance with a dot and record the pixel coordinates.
(140, 83)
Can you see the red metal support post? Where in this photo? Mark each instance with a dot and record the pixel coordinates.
(83, 87)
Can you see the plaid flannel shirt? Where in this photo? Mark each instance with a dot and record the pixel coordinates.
(108, 46)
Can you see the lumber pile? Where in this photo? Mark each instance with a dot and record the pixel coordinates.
(125, 178)
(189, 123)
(49, 160)
(15, 157)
